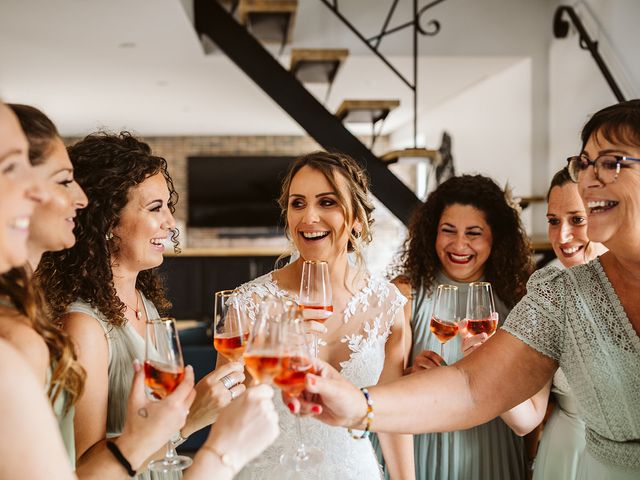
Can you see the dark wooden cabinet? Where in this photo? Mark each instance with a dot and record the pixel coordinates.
(192, 280)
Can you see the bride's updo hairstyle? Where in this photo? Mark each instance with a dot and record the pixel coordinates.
(357, 206)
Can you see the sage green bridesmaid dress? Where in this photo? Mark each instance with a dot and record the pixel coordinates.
(487, 452)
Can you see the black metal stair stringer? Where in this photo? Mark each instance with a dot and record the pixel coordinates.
(250, 56)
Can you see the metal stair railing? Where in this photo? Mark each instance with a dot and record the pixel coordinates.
(251, 57)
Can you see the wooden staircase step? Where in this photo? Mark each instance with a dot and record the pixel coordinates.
(317, 65)
(365, 111)
(269, 20)
(417, 153)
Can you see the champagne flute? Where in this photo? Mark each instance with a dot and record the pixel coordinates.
(444, 319)
(230, 325)
(163, 372)
(262, 355)
(481, 316)
(315, 294)
(296, 364)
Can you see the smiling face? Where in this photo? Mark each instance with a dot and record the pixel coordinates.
(613, 209)
(19, 191)
(463, 243)
(567, 230)
(315, 218)
(53, 221)
(145, 224)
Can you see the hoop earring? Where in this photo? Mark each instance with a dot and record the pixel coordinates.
(109, 236)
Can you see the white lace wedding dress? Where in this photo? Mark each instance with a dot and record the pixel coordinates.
(367, 322)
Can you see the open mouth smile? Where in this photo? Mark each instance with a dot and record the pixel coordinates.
(314, 235)
(158, 242)
(601, 205)
(571, 251)
(459, 259)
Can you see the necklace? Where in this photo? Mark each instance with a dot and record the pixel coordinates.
(137, 310)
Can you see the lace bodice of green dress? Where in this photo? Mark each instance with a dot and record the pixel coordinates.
(575, 317)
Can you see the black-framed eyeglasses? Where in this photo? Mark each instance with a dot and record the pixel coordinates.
(606, 167)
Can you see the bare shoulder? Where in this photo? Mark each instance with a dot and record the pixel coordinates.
(28, 416)
(403, 284)
(17, 331)
(86, 332)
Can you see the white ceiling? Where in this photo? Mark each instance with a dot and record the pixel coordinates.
(137, 64)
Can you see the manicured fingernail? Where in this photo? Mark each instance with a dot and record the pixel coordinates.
(291, 407)
(316, 409)
(312, 380)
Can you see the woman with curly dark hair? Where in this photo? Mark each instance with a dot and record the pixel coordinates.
(466, 231)
(25, 322)
(105, 287)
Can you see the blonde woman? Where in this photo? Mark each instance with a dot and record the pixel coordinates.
(327, 210)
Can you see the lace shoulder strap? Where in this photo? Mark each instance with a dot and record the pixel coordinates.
(378, 293)
(252, 293)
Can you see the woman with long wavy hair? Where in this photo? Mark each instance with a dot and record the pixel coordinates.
(466, 231)
(24, 318)
(47, 349)
(28, 193)
(106, 286)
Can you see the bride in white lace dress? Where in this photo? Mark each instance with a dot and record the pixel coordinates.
(328, 214)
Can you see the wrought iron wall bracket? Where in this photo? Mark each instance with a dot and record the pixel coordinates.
(561, 30)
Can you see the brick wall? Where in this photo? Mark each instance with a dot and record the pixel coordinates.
(177, 149)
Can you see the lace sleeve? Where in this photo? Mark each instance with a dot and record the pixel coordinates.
(539, 318)
(253, 293)
(397, 301)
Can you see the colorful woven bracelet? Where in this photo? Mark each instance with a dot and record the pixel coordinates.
(368, 417)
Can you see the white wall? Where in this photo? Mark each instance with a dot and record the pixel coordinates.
(577, 89)
(491, 128)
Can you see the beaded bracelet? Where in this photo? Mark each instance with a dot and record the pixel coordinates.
(368, 417)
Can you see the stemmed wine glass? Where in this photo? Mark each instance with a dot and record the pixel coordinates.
(296, 363)
(444, 320)
(262, 355)
(481, 316)
(230, 325)
(315, 294)
(163, 372)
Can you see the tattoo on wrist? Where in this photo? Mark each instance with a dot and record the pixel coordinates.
(143, 412)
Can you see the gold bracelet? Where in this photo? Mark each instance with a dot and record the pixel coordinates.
(225, 458)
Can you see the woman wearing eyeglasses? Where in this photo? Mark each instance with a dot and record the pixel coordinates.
(585, 319)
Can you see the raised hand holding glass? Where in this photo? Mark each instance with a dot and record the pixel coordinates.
(444, 320)
(296, 364)
(315, 297)
(230, 326)
(163, 372)
(262, 356)
(481, 316)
